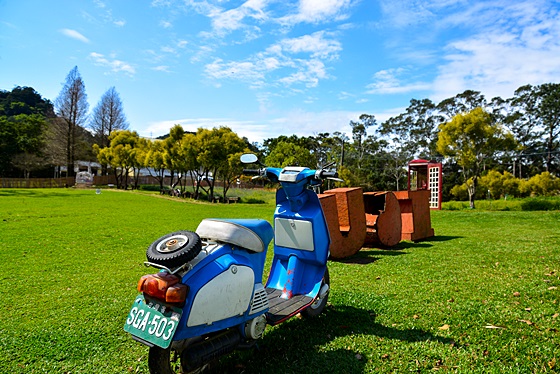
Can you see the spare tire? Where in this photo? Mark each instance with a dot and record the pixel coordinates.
(174, 249)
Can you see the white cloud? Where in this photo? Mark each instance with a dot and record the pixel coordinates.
(504, 56)
(163, 68)
(318, 11)
(389, 82)
(245, 17)
(74, 35)
(280, 59)
(298, 122)
(116, 66)
(315, 43)
(309, 73)
(249, 71)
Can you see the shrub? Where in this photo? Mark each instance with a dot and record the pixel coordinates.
(252, 200)
(510, 185)
(493, 182)
(540, 204)
(149, 187)
(460, 192)
(543, 184)
(500, 185)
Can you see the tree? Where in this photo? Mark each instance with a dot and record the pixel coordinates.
(359, 134)
(550, 114)
(534, 118)
(216, 146)
(72, 106)
(461, 104)
(470, 139)
(21, 134)
(55, 144)
(522, 118)
(24, 100)
(24, 118)
(121, 155)
(231, 170)
(155, 161)
(416, 129)
(290, 154)
(173, 157)
(107, 117)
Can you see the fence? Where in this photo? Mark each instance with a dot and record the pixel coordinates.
(97, 181)
(51, 182)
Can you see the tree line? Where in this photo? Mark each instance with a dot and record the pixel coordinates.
(41, 137)
(517, 137)
(189, 159)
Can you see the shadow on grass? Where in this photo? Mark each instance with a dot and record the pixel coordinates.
(443, 238)
(368, 255)
(321, 344)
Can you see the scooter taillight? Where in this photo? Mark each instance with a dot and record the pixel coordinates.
(163, 286)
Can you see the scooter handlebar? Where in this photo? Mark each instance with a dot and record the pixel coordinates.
(328, 174)
(252, 171)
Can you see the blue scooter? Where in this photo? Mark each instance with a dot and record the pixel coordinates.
(208, 298)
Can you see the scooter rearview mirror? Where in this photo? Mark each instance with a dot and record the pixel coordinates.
(248, 158)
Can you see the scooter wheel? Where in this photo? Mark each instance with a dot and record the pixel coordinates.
(168, 361)
(318, 305)
(174, 249)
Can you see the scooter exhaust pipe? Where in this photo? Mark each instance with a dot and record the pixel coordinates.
(201, 353)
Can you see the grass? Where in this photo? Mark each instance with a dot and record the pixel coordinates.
(481, 296)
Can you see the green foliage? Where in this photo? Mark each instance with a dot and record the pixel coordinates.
(149, 187)
(24, 100)
(350, 180)
(544, 184)
(471, 138)
(290, 154)
(506, 185)
(23, 122)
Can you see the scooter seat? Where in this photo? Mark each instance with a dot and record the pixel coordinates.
(252, 234)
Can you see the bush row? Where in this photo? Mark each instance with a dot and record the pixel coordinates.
(495, 185)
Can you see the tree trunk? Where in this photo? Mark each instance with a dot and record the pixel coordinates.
(471, 188)
(471, 200)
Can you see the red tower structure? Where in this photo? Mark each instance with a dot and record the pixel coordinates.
(426, 175)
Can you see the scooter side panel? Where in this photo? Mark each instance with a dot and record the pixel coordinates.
(211, 272)
(227, 295)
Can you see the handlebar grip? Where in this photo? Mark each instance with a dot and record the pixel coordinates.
(329, 174)
(251, 171)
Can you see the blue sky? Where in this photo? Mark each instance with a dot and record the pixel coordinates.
(273, 67)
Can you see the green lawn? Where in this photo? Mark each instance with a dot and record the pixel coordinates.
(482, 296)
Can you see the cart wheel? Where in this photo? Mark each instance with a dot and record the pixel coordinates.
(174, 249)
(319, 304)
